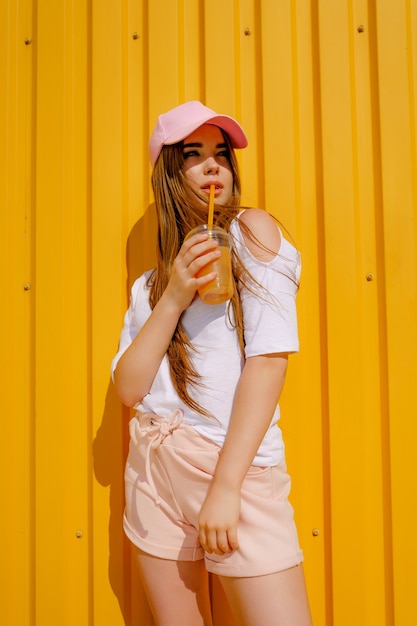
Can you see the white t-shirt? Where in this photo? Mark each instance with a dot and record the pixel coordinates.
(270, 326)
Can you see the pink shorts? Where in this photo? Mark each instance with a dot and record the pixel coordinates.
(168, 471)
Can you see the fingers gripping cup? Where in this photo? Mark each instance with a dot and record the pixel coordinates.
(220, 288)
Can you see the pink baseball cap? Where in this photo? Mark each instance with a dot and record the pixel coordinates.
(178, 123)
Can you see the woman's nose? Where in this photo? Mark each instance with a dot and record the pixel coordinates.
(211, 166)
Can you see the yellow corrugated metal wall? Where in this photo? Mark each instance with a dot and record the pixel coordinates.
(327, 91)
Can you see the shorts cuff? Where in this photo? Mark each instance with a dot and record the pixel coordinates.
(249, 570)
(183, 553)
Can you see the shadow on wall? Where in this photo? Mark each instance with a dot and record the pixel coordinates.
(111, 443)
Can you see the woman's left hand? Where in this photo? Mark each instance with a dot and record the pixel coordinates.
(218, 520)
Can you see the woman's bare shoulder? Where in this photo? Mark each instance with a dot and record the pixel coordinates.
(261, 234)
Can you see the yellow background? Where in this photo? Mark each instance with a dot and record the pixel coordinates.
(327, 91)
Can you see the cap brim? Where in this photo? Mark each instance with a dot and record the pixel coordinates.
(236, 133)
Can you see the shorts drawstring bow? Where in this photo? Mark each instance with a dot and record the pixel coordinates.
(159, 428)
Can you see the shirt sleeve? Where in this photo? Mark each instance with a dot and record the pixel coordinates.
(269, 298)
(131, 326)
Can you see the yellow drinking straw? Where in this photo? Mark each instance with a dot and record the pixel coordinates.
(211, 206)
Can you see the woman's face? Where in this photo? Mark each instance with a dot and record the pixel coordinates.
(206, 162)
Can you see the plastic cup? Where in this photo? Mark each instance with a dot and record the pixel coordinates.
(220, 288)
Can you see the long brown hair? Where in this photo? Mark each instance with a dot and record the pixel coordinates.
(179, 209)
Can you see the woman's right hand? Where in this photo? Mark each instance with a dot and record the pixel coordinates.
(195, 253)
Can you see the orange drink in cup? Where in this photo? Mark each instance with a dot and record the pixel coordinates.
(220, 288)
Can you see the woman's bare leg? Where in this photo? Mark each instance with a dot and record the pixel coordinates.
(220, 609)
(279, 599)
(177, 591)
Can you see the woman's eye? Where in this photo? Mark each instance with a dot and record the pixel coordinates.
(190, 153)
(223, 153)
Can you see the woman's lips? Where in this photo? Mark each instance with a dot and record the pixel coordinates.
(218, 187)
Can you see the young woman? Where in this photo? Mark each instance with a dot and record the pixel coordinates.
(206, 482)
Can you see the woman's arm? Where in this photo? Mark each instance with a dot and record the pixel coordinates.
(257, 395)
(139, 364)
(256, 398)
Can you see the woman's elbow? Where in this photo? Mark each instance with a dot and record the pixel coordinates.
(128, 400)
(129, 395)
